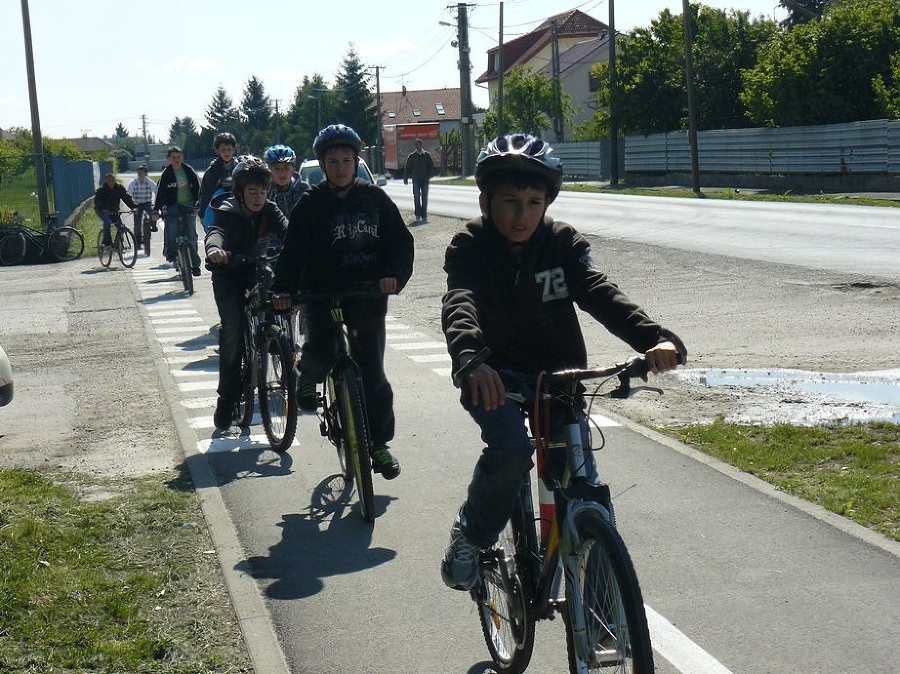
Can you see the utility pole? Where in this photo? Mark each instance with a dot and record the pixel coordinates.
(557, 88)
(467, 134)
(379, 142)
(277, 122)
(613, 113)
(144, 133)
(37, 142)
(692, 108)
(501, 126)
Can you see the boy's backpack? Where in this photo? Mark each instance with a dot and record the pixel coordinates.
(223, 189)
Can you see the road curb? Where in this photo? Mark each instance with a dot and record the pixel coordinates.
(253, 617)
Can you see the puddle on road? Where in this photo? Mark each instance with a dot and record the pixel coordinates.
(880, 389)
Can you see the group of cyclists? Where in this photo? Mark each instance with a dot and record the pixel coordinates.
(514, 279)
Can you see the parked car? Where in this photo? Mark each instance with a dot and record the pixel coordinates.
(312, 173)
(6, 379)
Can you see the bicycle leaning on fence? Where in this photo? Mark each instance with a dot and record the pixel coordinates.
(61, 243)
(123, 243)
(343, 419)
(267, 363)
(603, 609)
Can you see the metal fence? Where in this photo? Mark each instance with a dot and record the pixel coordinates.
(590, 159)
(868, 147)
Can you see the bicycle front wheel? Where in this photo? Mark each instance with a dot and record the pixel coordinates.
(616, 637)
(277, 403)
(244, 409)
(66, 243)
(126, 247)
(12, 248)
(503, 604)
(104, 253)
(352, 412)
(184, 267)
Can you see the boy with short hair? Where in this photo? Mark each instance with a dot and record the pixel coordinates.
(107, 198)
(219, 169)
(177, 195)
(514, 277)
(344, 232)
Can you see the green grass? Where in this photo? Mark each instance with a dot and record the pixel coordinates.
(16, 195)
(852, 470)
(118, 584)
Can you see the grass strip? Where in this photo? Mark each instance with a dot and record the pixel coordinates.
(110, 576)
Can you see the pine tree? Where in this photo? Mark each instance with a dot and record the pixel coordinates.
(221, 114)
(355, 103)
(256, 106)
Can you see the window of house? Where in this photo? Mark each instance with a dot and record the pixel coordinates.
(391, 114)
(440, 108)
(417, 112)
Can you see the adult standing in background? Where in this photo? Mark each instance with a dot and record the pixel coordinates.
(143, 190)
(419, 167)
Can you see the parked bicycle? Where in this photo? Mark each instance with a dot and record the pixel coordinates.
(576, 540)
(267, 363)
(341, 400)
(61, 243)
(122, 243)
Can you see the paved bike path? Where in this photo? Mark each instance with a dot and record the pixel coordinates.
(737, 576)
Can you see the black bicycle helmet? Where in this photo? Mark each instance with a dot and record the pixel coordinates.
(279, 154)
(336, 134)
(249, 170)
(224, 138)
(522, 153)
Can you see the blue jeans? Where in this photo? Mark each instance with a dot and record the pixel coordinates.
(502, 465)
(420, 197)
(171, 233)
(107, 221)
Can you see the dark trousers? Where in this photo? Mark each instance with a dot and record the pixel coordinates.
(420, 197)
(139, 221)
(367, 344)
(228, 291)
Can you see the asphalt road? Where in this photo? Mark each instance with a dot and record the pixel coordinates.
(737, 576)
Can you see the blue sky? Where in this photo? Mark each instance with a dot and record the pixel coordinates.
(99, 63)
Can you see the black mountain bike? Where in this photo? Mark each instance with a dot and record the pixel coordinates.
(267, 363)
(603, 609)
(183, 250)
(61, 243)
(342, 417)
(122, 243)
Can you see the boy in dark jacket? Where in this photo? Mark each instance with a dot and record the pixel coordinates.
(106, 204)
(177, 196)
(242, 225)
(514, 277)
(344, 233)
(219, 169)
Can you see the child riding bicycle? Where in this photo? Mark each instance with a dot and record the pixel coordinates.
(107, 200)
(177, 195)
(514, 278)
(240, 225)
(342, 233)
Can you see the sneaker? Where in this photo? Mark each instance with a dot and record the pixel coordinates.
(306, 395)
(224, 414)
(195, 271)
(383, 462)
(459, 568)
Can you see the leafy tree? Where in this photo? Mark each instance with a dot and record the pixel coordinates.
(221, 115)
(802, 11)
(354, 102)
(528, 104)
(651, 96)
(121, 132)
(837, 69)
(887, 89)
(311, 107)
(181, 128)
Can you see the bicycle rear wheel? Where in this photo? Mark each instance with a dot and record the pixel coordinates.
(616, 636)
(352, 413)
(244, 408)
(503, 604)
(184, 268)
(66, 243)
(277, 403)
(126, 247)
(104, 253)
(12, 248)
(145, 234)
